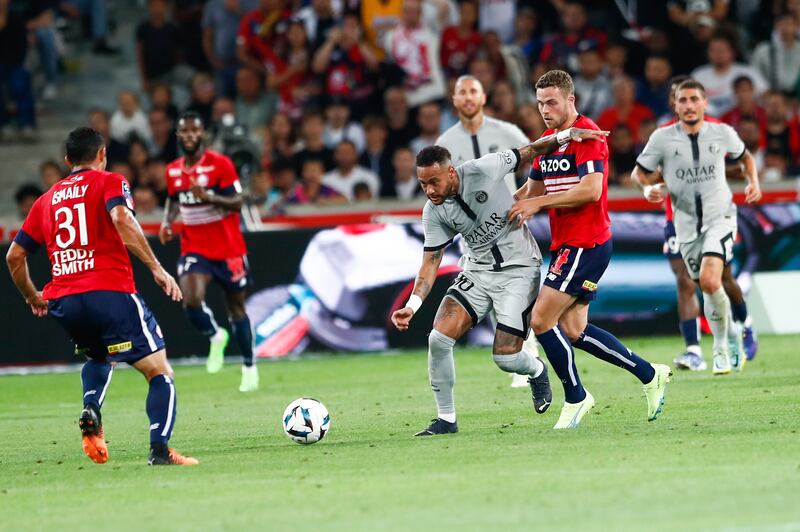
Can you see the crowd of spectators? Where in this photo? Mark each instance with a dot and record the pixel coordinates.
(28, 26)
(335, 97)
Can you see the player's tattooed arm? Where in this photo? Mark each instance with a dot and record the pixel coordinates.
(423, 285)
(550, 143)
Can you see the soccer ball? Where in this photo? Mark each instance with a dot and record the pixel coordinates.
(306, 420)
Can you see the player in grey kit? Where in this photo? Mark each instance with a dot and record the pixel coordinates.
(474, 136)
(692, 154)
(501, 266)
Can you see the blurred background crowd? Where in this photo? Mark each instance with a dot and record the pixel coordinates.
(305, 94)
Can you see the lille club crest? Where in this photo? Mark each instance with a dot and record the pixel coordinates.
(561, 260)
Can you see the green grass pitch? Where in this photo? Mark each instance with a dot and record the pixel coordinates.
(724, 455)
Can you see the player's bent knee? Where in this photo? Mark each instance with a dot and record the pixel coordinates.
(521, 362)
(710, 283)
(571, 328)
(541, 325)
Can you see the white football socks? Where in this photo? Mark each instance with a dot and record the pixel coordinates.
(442, 373)
(717, 309)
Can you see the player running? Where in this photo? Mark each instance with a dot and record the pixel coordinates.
(572, 183)
(500, 267)
(204, 188)
(692, 155)
(86, 222)
(475, 135)
(688, 305)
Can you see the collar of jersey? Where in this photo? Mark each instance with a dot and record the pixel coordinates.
(195, 165)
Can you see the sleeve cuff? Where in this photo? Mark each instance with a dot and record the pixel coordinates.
(227, 191)
(519, 159)
(737, 157)
(26, 241)
(119, 200)
(535, 174)
(644, 168)
(437, 248)
(590, 167)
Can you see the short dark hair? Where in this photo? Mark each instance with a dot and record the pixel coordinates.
(282, 164)
(27, 191)
(191, 115)
(361, 186)
(100, 111)
(749, 118)
(558, 79)
(313, 160)
(661, 57)
(374, 121)
(433, 155)
(50, 163)
(742, 79)
(691, 84)
(82, 145)
(404, 148)
(348, 141)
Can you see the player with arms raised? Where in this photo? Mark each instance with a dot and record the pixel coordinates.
(500, 267)
(204, 188)
(691, 155)
(86, 222)
(572, 183)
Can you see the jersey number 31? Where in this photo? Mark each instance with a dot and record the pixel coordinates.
(67, 224)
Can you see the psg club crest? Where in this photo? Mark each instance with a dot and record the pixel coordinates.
(481, 196)
(713, 147)
(493, 148)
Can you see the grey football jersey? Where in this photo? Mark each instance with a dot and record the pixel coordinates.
(694, 171)
(478, 212)
(493, 136)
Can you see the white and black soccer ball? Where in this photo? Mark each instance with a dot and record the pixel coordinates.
(306, 420)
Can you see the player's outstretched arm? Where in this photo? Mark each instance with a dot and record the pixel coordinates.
(550, 143)
(132, 236)
(422, 287)
(752, 191)
(17, 260)
(588, 190)
(171, 210)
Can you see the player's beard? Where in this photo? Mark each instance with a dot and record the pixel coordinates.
(197, 148)
(470, 116)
